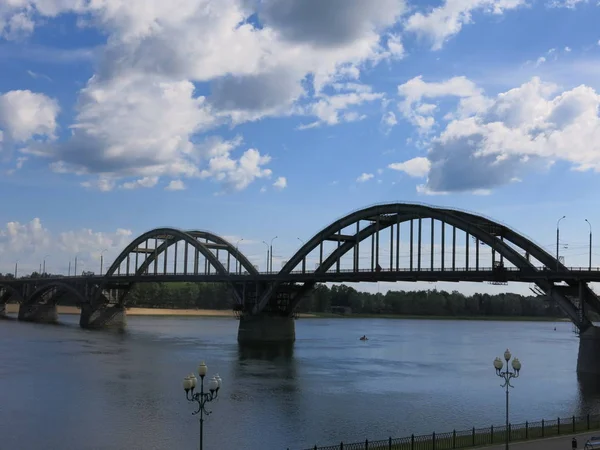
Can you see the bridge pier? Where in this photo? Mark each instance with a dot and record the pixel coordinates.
(39, 313)
(265, 328)
(105, 316)
(588, 360)
(2, 310)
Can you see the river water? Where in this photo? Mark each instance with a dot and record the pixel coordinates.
(62, 387)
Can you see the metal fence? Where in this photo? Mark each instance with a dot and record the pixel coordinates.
(476, 437)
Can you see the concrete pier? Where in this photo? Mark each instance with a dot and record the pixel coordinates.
(2, 310)
(588, 360)
(45, 313)
(105, 316)
(266, 328)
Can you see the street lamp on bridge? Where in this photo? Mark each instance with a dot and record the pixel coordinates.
(590, 259)
(16, 267)
(102, 259)
(558, 240)
(237, 259)
(44, 267)
(189, 384)
(507, 375)
(267, 259)
(271, 257)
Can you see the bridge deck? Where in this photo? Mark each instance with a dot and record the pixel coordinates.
(482, 275)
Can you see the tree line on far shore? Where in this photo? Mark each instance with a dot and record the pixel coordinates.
(431, 302)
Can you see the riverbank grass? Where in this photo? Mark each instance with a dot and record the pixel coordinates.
(478, 437)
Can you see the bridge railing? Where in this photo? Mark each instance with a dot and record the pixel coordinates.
(477, 437)
(387, 270)
(572, 270)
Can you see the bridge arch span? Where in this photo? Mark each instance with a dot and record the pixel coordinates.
(46, 288)
(8, 292)
(203, 243)
(509, 244)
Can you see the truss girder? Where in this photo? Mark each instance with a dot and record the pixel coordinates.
(384, 216)
(194, 238)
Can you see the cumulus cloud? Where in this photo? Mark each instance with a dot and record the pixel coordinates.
(526, 128)
(388, 121)
(139, 115)
(146, 182)
(25, 115)
(31, 242)
(364, 177)
(416, 167)
(420, 113)
(280, 183)
(175, 185)
(319, 23)
(445, 21)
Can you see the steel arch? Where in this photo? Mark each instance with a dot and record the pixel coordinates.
(402, 212)
(241, 258)
(180, 235)
(41, 290)
(191, 237)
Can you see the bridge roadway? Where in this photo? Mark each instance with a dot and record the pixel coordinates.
(508, 274)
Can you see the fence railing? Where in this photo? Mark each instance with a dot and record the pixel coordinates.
(477, 437)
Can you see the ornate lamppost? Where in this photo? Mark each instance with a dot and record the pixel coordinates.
(507, 375)
(189, 384)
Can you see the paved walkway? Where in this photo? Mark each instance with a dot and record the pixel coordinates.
(556, 443)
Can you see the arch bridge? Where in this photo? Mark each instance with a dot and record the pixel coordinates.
(388, 242)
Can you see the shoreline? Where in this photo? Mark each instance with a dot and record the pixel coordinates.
(13, 308)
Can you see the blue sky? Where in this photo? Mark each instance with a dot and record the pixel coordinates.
(257, 118)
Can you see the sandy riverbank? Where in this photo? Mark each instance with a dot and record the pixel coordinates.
(14, 308)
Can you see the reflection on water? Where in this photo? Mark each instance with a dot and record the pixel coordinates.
(95, 390)
(589, 393)
(274, 352)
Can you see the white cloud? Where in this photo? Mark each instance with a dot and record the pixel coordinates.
(415, 90)
(146, 182)
(139, 116)
(237, 174)
(280, 183)
(175, 185)
(388, 121)
(328, 107)
(25, 115)
(30, 242)
(364, 177)
(541, 60)
(447, 20)
(565, 3)
(416, 167)
(520, 130)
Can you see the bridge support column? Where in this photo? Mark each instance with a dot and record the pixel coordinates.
(588, 360)
(45, 313)
(264, 328)
(2, 310)
(104, 316)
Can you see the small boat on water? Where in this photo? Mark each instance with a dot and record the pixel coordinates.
(364, 338)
